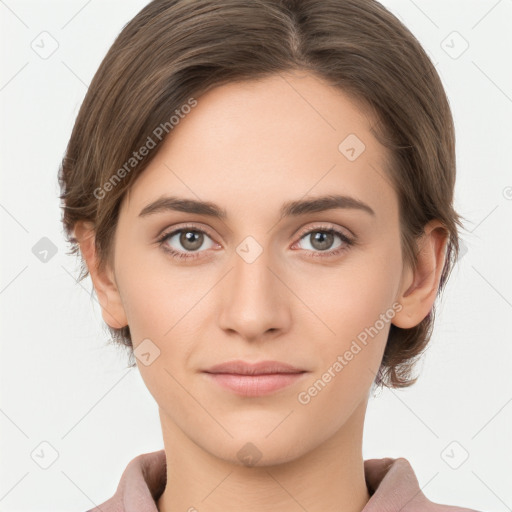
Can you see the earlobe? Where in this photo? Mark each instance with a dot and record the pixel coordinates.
(420, 285)
(112, 308)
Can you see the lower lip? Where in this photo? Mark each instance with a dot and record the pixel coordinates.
(255, 385)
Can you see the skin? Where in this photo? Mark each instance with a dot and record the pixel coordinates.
(249, 147)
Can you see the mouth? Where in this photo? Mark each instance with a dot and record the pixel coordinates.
(254, 379)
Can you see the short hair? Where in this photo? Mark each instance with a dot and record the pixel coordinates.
(174, 50)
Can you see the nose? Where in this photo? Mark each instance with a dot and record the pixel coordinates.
(255, 302)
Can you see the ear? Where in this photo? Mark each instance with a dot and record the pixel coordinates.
(419, 286)
(104, 282)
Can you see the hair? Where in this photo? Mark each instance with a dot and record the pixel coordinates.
(175, 50)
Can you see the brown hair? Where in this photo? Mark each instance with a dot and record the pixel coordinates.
(174, 50)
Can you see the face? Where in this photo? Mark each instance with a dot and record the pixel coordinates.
(315, 288)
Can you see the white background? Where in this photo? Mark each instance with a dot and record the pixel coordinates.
(62, 383)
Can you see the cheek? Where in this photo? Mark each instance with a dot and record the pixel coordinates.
(151, 291)
(350, 298)
(349, 346)
(353, 317)
(162, 305)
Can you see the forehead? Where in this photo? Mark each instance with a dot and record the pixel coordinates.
(267, 141)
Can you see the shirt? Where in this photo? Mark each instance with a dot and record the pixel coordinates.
(391, 483)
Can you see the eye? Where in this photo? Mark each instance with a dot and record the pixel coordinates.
(188, 239)
(321, 241)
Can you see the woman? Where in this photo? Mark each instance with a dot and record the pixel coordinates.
(262, 195)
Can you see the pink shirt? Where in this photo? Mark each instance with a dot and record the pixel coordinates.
(391, 483)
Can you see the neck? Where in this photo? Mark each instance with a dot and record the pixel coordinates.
(330, 476)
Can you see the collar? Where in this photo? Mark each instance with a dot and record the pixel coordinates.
(392, 485)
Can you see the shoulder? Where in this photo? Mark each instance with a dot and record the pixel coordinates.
(142, 481)
(393, 486)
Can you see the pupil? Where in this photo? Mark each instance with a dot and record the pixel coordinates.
(188, 238)
(324, 240)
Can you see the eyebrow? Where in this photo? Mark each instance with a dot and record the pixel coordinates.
(288, 209)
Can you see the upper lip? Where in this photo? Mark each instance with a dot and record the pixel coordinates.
(260, 368)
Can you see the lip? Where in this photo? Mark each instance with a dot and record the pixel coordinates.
(240, 367)
(254, 379)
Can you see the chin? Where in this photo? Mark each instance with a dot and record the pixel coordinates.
(254, 449)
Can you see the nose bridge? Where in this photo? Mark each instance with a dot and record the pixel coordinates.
(253, 302)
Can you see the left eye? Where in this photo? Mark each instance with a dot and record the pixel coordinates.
(322, 239)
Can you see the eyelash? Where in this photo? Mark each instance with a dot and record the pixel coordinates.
(347, 241)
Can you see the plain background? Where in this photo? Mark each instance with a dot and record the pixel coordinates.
(62, 384)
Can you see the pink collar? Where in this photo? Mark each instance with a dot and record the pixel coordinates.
(391, 483)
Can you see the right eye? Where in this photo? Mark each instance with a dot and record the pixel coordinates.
(190, 239)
